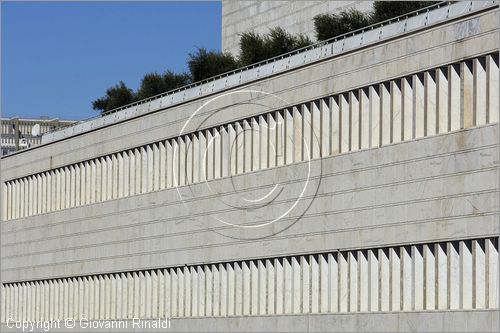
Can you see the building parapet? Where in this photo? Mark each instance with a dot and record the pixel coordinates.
(367, 117)
(395, 278)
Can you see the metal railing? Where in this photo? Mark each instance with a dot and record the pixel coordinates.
(346, 42)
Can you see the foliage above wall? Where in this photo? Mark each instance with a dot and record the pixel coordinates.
(384, 10)
(204, 64)
(115, 97)
(254, 48)
(153, 83)
(330, 25)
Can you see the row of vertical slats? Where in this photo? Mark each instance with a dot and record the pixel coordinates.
(449, 275)
(437, 101)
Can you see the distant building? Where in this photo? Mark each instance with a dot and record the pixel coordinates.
(25, 138)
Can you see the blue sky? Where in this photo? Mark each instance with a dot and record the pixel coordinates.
(59, 56)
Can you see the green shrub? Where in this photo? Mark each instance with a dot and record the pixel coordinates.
(331, 25)
(204, 64)
(255, 48)
(116, 96)
(153, 83)
(252, 48)
(278, 41)
(384, 10)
